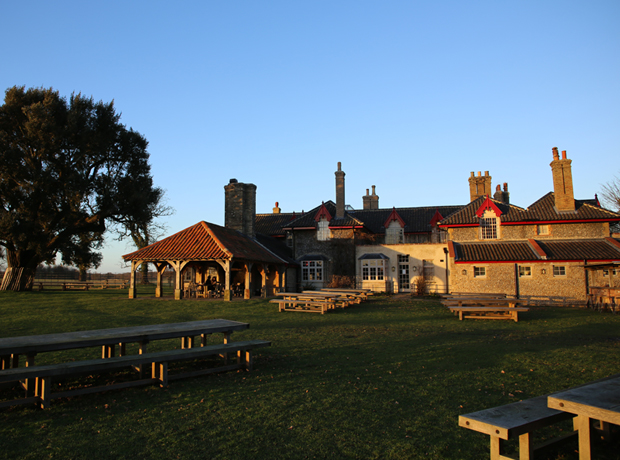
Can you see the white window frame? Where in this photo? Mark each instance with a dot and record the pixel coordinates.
(312, 270)
(543, 229)
(373, 270)
(489, 226)
(525, 271)
(480, 272)
(559, 270)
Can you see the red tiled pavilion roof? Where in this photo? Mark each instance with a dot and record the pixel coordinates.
(205, 241)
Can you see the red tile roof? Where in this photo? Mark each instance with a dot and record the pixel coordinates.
(205, 241)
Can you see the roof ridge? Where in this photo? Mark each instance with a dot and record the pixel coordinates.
(216, 239)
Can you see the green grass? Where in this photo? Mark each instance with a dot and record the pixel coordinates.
(385, 380)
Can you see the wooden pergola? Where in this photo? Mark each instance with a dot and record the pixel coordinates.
(206, 245)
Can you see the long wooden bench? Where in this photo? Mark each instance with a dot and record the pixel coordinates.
(158, 361)
(310, 306)
(516, 420)
(489, 312)
(520, 419)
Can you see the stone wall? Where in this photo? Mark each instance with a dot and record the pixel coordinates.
(524, 232)
(500, 277)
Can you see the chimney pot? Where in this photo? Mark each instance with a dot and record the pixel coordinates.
(505, 186)
(563, 154)
(479, 174)
(367, 193)
(556, 156)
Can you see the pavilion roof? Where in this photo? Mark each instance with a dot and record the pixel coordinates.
(205, 241)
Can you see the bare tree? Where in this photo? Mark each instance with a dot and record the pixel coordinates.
(611, 193)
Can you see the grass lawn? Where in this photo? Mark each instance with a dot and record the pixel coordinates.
(385, 380)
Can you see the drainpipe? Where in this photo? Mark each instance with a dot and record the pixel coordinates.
(517, 281)
(445, 251)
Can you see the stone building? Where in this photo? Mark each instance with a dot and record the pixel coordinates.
(495, 246)
(388, 249)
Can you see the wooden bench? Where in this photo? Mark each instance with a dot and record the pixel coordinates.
(303, 305)
(516, 420)
(489, 312)
(520, 419)
(158, 361)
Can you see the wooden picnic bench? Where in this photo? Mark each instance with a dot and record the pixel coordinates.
(310, 301)
(307, 305)
(519, 420)
(489, 312)
(46, 374)
(361, 293)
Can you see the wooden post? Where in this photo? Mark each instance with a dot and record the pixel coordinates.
(132, 280)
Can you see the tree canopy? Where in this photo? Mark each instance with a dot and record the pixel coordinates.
(68, 169)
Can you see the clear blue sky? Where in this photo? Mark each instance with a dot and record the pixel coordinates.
(410, 96)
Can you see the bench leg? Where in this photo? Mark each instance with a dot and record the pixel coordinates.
(107, 351)
(42, 391)
(187, 342)
(203, 340)
(526, 449)
(121, 349)
(582, 424)
(160, 373)
(30, 383)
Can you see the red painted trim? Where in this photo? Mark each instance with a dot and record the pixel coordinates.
(436, 218)
(536, 222)
(323, 212)
(394, 216)
(548, 261)
(488, 204)
(350, 226)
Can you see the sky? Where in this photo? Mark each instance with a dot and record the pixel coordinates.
(410, 96)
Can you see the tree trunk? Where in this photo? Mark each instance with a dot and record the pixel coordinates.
(19, 275)
(144, 268)
(17, 279)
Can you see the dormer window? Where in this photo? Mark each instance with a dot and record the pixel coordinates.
(489, 214)
(394, 234)
(489, 226)
(322, 230)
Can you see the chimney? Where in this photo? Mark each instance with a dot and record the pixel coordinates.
(371, 201)
(562, 182)
(277, 209)
(240, 207)
(502, 196)
(339, 192)
(479, 185)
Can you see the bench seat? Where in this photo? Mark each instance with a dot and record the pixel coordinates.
(516, 420)
(489, 312)
(309, 306)
(158, 361)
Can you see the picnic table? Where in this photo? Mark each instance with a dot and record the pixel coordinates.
(485, 308)
(309, 301)
(37, 378)
(595, 401)
(599, 400)
(12, 347)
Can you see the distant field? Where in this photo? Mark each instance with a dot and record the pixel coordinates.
(383, 380)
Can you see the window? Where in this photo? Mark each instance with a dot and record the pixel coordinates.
(488, 228)
(312, 270)
(322, 233)
(373, 270)
(480, 272)
(559, 270)
(605, 272)
(403, 272)
(428, 269)
(289, 239)
(525, 271)
(542, 229)
(394, 234)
